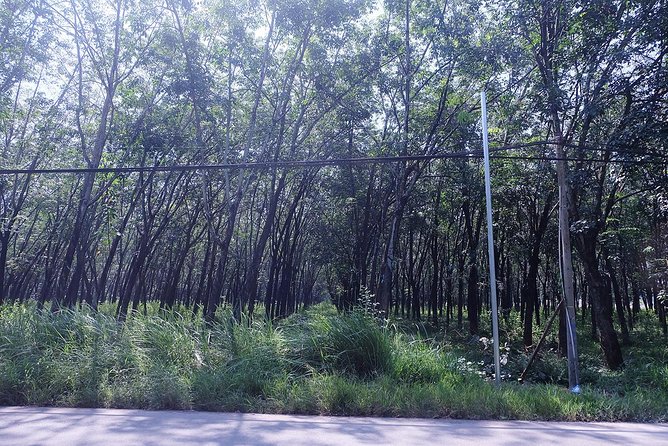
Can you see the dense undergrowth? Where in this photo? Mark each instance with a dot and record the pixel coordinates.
(316, 362)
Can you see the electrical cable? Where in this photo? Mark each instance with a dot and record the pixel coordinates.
(290, 164)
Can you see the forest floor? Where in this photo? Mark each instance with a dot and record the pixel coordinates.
(59, 426)
(316, 362)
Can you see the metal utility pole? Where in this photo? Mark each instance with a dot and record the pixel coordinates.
(490, 244)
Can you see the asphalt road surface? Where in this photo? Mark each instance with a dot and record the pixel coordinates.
(71, 427)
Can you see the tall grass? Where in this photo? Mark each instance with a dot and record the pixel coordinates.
(317, 362)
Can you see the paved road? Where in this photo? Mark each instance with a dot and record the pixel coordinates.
(71, 427)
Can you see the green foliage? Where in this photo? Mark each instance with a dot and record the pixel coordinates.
(355, 343)
(419, 362)
(254, 355)
(316, 362)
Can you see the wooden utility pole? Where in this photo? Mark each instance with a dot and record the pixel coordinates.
(567, 267)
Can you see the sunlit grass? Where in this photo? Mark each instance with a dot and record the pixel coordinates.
(315, 362)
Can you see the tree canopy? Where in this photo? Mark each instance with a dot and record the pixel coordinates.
(99, 84)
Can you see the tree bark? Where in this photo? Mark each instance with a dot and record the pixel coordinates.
(601, 299)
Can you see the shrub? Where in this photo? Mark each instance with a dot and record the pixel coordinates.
(419, 362)
(355, 343)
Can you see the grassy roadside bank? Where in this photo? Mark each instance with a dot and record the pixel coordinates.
(318, 362)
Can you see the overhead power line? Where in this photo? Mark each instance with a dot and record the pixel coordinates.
(289, 164)
(615, 148)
